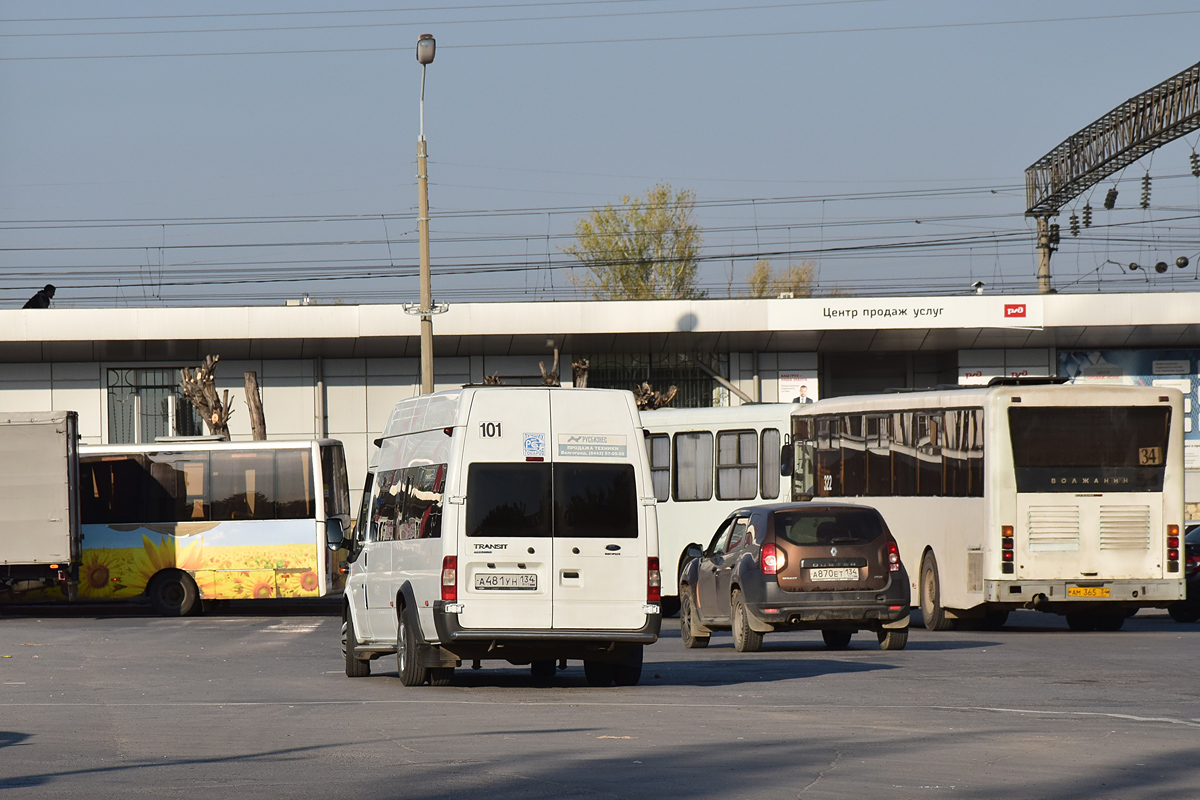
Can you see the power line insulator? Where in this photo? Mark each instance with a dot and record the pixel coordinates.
(1146, 190)
(1074, 224)
(1087, 216)
(1110, 199)
(1054, 234)
(1195, 165)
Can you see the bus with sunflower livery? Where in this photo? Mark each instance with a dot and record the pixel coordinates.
(193, 519)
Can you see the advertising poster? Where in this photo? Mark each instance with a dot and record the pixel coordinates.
(798, 386)
(1178, 369)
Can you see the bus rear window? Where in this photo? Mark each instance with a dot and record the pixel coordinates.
(1066, 449)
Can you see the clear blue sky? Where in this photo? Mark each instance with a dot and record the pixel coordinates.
(260, 151)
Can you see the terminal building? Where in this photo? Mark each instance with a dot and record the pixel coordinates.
(337, 370)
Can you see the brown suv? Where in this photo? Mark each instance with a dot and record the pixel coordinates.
(796, 566)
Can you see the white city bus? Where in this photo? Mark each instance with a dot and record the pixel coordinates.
(1066, 499)
(706, 462)
(182, 521)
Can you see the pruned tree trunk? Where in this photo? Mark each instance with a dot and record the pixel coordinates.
(648, 399)
(201, 391)
(579, 373)
(550, 378)
(258, 423)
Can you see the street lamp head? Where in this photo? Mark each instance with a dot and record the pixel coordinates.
(425, 48)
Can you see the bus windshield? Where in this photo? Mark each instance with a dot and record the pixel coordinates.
(1067, 449)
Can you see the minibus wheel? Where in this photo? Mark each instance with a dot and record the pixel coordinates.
(407, 653)
(628, 671)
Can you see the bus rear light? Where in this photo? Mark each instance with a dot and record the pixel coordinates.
(1007, 550)
(893, 557)
(653, 580)
(773, 559)
(1172, 548)
(450, 579)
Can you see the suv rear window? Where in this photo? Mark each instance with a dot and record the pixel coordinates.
(825, 527)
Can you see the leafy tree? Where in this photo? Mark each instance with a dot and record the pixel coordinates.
(797, 279)
(643, 249)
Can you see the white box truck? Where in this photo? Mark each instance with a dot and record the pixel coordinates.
(39, 511)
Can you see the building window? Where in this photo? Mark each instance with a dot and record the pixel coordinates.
(145, 404)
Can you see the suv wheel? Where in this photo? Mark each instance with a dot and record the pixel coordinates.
(836, 639)
(931, 597)
(354, 667)
(893, 639)
(691, 640)
(745, 638)
(407, 652)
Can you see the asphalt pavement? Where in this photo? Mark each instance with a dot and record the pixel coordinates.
(252, 701)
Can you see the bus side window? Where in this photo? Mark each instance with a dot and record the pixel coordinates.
(904, 455)
(693, 466)
(771, 463)
(737, 465)
(659, 446)
(879, 456)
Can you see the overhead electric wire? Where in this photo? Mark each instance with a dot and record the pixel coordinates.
(618, 40)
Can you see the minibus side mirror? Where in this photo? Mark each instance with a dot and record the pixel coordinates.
(335, 533)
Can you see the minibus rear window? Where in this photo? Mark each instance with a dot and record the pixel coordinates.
(508, 500)
(595, 501)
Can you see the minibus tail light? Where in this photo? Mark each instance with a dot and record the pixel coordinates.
(450, 579)
(653, 580)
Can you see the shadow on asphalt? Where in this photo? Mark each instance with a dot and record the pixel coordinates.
(288, 607)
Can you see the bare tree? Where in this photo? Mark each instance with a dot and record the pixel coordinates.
(258, 422)
(201, 390)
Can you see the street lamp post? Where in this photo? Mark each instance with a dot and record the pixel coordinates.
(425, 51)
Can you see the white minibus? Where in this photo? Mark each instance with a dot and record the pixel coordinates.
(513, 523)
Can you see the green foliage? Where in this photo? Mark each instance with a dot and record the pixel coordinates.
(796, 279)
(643, 249)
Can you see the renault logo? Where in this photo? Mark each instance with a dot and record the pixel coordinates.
(833, 551)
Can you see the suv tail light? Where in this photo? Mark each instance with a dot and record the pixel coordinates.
(450, 579)
(773, 559)
(1007, 550)
(1193, 564)
(1172, 548)
(653, 580)
(893, 556)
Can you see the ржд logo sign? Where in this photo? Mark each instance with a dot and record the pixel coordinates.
(1014, 310)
